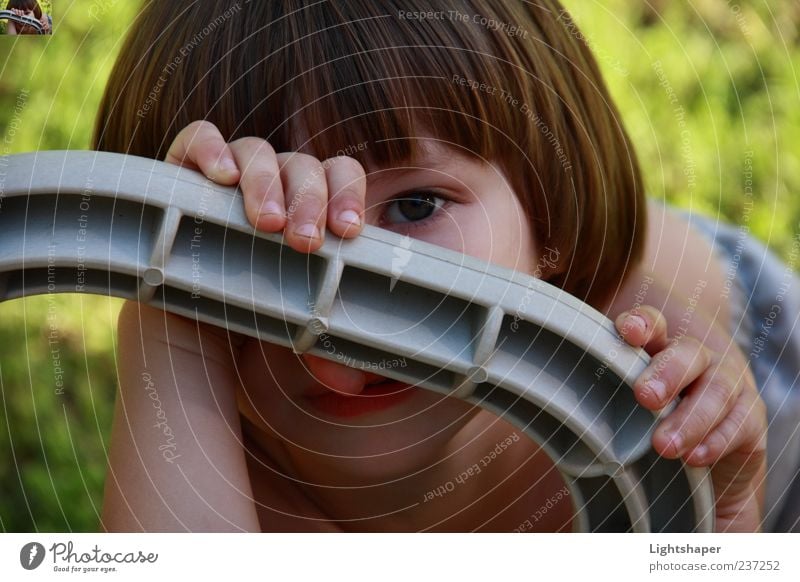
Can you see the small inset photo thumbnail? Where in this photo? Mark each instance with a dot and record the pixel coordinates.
(26, 17)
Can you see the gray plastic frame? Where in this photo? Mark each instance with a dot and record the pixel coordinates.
(27, 21)
(111, 224)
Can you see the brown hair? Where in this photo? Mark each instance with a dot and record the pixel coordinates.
(27, 6)
(365, 70)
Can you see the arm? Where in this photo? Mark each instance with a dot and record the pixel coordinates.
(176, 459)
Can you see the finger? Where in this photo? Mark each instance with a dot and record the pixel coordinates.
(670, 371)
(200, 146)
(347, 189)
(743, 430)
(644, 327)
(260, 183)
(306, 192)
(702, 409)
(739, 478)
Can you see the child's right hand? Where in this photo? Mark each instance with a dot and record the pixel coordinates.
(291, 191)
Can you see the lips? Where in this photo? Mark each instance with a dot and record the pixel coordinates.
(373, 398)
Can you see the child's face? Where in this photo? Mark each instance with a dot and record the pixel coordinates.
(452, 201)
(25, 29)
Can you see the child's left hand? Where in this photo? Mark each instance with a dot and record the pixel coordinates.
(720, 420)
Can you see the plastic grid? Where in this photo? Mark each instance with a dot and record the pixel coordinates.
(27, 21)
(111, 224)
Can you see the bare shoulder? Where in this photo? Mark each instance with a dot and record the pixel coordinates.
(679, 266)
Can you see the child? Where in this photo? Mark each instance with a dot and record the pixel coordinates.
(479, 126)
(31, 9)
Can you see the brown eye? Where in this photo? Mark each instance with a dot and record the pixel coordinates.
(414, 207)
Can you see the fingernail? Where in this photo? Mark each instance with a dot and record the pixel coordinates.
(350, 217)
(658, 388)
(676, 441)
(637, 321)
(308, 230)
(227, 165)
(272, 207)
(700, 452)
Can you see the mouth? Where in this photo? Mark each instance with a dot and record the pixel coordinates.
(373, 398)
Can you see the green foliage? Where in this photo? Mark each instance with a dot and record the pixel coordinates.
(58, 380)
(733, 68)
(52, 445)
(734, 74)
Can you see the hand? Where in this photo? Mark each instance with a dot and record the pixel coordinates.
(25, 13)
(304, 197)
(293, 192)
(23, 28)
(720, 420)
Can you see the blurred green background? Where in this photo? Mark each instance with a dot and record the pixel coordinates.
(733, 67)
